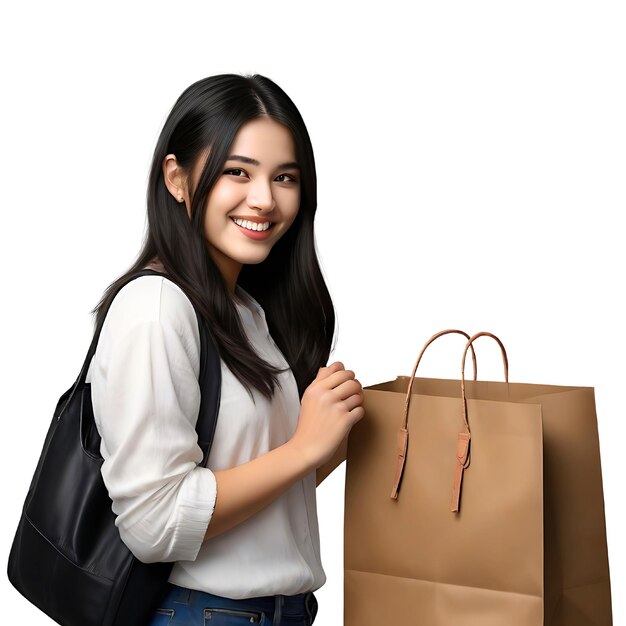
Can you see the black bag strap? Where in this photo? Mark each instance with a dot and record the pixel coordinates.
(210, 373)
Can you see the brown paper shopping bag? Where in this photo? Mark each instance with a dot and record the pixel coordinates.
(475, 503)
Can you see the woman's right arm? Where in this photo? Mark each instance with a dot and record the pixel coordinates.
(244, 490)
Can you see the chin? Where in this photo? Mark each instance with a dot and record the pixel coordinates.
(247, 256)
(252, 260)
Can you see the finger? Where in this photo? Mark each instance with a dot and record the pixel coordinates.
(348, 388)
(353, 401)
(357, 413)
(324, 372)
(337, 378)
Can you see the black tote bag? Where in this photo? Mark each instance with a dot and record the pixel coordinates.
(67, 557)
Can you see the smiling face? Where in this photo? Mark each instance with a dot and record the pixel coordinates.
(260, 181)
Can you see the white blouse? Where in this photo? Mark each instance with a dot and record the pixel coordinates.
(146, 398)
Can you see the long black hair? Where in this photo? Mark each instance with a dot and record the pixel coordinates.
(288, 284)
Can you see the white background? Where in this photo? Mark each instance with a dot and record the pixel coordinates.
(470, 160)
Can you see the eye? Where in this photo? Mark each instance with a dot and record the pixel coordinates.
(293, 180)
(234, 170)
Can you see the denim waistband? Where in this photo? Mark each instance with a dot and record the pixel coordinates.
(279, 604)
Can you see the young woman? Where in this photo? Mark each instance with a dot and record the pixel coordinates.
(231, 208)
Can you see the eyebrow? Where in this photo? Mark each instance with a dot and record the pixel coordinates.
(251, 161)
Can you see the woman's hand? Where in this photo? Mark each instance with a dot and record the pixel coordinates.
(331, 405)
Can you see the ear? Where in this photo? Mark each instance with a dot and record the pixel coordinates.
(176, 181)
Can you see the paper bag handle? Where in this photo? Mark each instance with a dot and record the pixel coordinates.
(403, 435)
(463, 440)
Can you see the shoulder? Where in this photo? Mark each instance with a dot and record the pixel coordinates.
(153, 299)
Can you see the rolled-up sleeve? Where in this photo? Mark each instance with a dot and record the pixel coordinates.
(146, 397)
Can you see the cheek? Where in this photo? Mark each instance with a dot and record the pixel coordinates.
(225, 195)
(222, 200)
(294, 208)
(217, 227)
(288, 201)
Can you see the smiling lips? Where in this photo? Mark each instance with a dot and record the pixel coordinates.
(255, 234)
(262, 225)
(252, 218)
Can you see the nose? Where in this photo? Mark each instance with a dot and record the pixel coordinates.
(260, 197)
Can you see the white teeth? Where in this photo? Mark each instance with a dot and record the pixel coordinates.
(252, 225)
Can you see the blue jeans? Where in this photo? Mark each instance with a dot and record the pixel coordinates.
(181, 606)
